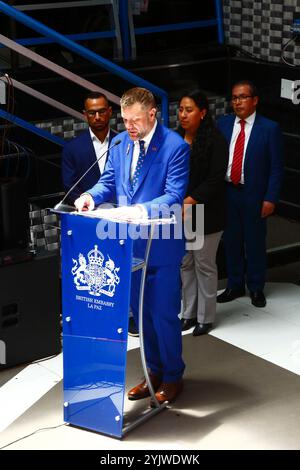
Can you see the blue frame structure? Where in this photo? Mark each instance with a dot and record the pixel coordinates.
(50, 36)
(128, 36)
(73, 37)
(112, 33)
(31, 128)
(219, 14)
(124, 25)
(89, 55)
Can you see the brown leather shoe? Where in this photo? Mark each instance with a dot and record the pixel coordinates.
(142, 390)
(168, 391)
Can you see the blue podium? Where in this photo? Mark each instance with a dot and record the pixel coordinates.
(96, 282)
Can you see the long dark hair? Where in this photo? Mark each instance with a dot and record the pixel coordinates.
(204, 135)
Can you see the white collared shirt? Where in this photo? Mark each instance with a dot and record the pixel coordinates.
(100, 148)
(235, 132)
(136, 149)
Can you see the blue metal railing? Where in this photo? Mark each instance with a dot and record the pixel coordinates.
(73, 37)
(113, 33)
(89, 55)
(128, 41)
(31, 128)
(219, 14)
(175, 26)
(124, 26)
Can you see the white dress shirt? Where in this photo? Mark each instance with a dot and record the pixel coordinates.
(136, 149)
(249, 121)
(100, 148)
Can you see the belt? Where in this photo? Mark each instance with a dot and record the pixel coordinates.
(235, 186)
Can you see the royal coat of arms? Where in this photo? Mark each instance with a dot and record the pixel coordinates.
(93, 276)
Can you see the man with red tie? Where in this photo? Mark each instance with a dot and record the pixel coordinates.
(254, 176)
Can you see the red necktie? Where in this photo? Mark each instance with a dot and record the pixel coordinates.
(237, 161)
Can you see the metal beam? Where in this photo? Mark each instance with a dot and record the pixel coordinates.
(89, 55)
(50, 6)
(31, 128)
(57, 68)
(175, 27)
(73, 37)
(82, 3)
(46, 99)
(219, 15)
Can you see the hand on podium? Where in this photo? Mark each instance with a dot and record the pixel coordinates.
(84, 203)
(129, 213)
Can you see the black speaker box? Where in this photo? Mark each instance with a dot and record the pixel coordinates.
(14, 213)
(29, 311)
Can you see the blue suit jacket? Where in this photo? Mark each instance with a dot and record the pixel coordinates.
(78, 155)
(263, 166)
(163, 180)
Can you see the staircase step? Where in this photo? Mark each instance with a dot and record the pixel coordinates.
(67, 128)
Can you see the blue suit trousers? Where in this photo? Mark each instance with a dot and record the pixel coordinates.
(161, 326)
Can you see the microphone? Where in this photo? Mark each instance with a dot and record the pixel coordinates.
(59, 204)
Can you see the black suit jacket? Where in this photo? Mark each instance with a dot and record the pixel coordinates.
(206, 182)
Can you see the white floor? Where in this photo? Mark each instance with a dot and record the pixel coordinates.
(272, 333)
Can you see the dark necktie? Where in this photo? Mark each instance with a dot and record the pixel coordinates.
(139, 163)
(237, 161)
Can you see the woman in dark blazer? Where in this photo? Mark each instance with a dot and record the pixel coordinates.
(208, 164)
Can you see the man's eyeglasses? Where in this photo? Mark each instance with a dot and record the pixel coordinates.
(235, 99)
(93, 112)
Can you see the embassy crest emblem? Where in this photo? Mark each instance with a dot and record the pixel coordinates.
(91, 275)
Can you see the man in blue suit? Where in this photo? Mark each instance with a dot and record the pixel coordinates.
(80, 153)
(253, 178)
(150, 170)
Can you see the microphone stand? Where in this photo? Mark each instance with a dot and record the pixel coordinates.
(59, 205)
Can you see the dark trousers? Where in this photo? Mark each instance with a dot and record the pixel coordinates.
(245, 241)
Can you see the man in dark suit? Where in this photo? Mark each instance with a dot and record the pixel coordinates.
(149, 168)
(253, 178)
(80, 153)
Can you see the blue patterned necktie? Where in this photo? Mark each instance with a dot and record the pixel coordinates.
(139, 163)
